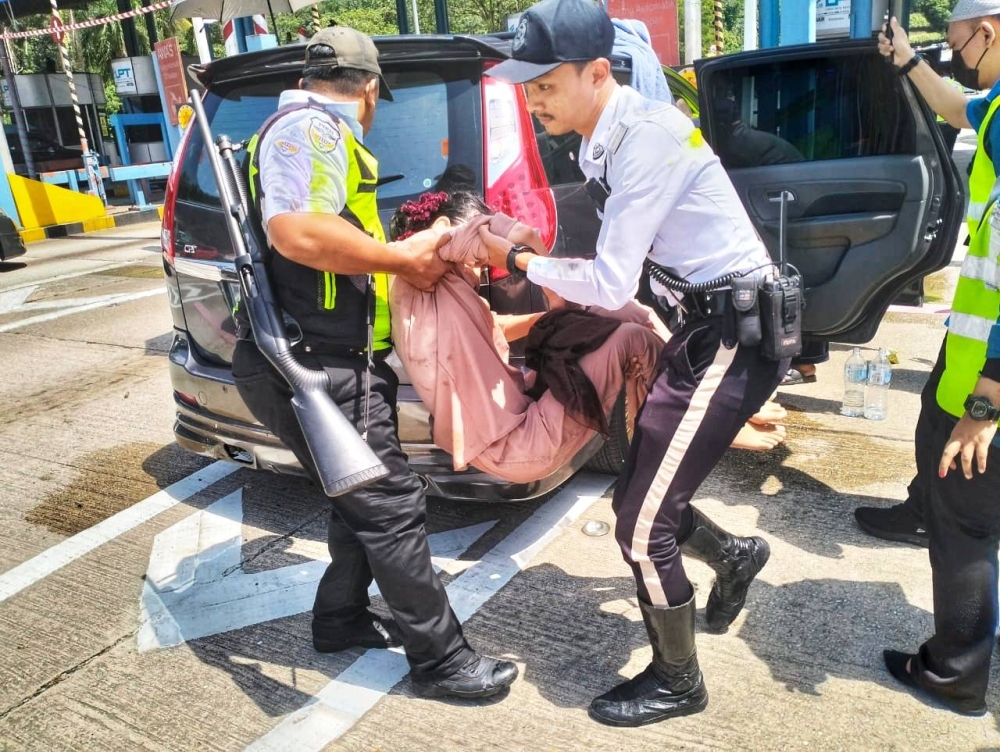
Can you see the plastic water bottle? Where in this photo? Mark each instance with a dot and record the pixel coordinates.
(877, 394)
(855, 377)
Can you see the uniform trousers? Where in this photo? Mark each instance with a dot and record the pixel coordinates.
(962, 518)
(703, 395)
(376, 531)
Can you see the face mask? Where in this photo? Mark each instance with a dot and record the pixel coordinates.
(961, 72)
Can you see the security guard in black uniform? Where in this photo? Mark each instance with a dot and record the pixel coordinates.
(313, 182)
(667, 205)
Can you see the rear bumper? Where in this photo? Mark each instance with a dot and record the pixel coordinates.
(212, 421)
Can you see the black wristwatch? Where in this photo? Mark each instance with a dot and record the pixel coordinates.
(512, 260)
(913, 63)
(980, 408)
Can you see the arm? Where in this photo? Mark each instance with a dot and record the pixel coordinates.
(971, 439)
(515, 327)
(305, 189)
(655, 172)
(945, 100)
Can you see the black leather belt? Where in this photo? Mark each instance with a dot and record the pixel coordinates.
(308, 347)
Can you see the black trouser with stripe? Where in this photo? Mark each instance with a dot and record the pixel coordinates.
(701, 398)
(376, 531)
(963, 521)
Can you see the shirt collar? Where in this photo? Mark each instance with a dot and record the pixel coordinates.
(994, 92)
(346, 111)
(597, 153)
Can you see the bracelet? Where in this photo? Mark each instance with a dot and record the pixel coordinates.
(913, 63)
(512, 259)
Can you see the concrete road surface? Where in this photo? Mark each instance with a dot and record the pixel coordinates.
(153, 600)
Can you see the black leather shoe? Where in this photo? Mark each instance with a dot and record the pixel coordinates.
(481, 676)
(736, 562)
(732, 581)
(897, 661)
(647, 699)
(373, 632)
(897, 523)
(671, 686)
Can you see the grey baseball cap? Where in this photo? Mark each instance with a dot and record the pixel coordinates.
(966, 10)
(351, 49)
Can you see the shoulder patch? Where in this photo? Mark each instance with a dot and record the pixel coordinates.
(286, 147)
(323, 134)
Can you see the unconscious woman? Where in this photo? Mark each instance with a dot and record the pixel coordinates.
(520, 425)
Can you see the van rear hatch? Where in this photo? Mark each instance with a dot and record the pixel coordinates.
(435, 122)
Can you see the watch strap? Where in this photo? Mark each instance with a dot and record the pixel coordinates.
(913, 63)
(512, 260)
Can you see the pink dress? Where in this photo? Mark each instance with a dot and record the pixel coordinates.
(456, 357)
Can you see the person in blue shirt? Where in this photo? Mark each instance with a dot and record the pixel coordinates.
(973, 38)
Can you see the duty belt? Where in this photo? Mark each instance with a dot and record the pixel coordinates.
(695, 306)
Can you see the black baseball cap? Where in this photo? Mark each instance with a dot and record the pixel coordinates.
(351, 49)
(554, 32)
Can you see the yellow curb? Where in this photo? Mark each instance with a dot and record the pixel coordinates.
(34, 235)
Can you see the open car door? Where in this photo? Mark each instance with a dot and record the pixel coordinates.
(875, 200)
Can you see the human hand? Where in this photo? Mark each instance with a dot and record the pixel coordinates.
(970, 439)
(554, 300)
(898, 48)
(524, 235)
(426, 266)
(497, 247)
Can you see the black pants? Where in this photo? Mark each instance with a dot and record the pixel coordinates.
(701, 398)
(916, 491)
(376, 531)
(963, 520)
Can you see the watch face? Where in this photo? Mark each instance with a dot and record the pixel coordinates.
(979, 410)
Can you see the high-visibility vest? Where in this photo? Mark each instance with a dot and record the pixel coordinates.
(332, 308)
(983, 174)
(974, 312)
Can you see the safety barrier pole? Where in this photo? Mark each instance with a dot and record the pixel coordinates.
(89, 158)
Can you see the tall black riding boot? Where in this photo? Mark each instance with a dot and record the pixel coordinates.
(736, 562)
(671, 685)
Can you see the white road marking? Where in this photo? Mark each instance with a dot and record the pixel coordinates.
(72, 275)
(11, 299)
(53, 559)
(341, 703)
(110, 301)
(195, 588)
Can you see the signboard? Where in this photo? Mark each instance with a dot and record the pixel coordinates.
(833, 18)
(175, 93)
(124, 76)
(660, 17)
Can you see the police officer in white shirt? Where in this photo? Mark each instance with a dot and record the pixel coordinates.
(666, 199)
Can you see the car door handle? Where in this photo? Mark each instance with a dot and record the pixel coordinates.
(775, 196)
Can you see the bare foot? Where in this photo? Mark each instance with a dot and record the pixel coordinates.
(759, 438)
(769, 414)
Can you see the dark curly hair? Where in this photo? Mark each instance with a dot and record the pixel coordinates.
(414, 216)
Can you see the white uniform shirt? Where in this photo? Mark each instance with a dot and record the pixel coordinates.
(303, 158)
(669, 193)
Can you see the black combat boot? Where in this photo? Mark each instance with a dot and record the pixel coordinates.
(671, 686)
(736, 562)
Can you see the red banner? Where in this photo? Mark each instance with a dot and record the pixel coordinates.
(168, 57)
(660, 17)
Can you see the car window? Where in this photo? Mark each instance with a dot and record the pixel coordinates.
(808, 110)
(434, 122)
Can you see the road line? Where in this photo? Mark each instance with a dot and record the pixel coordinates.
(73, 275)
(41, 319)
(195, 586)
(55, 558)
(341, 703)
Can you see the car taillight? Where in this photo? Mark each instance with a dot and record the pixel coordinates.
(170, 200)
(515, 178)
